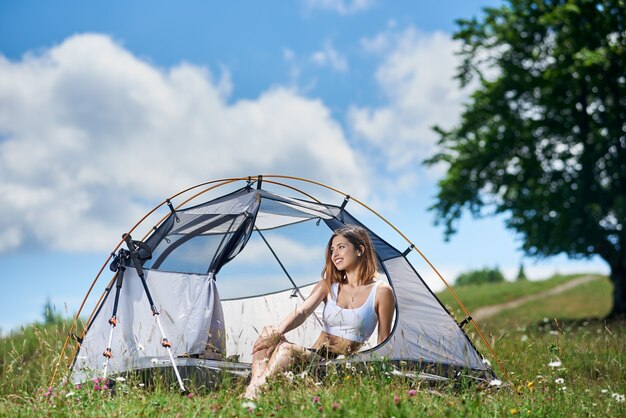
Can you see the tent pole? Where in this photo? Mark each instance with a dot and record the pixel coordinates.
(120, 261)
(295, 286)
(134, 256)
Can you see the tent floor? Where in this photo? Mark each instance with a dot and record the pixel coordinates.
(194, 372)
(210, 374)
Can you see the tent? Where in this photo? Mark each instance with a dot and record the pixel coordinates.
(192, 294)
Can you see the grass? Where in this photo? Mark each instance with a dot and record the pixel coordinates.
(475, 296)
(557, 329)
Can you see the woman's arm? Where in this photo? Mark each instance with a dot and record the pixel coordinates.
(294, 319)
(385, 307)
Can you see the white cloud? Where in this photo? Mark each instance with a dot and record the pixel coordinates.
(417, 79)
(89, 133)
(342, 7)
(330, 57)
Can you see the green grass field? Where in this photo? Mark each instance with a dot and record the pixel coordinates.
(561, 361)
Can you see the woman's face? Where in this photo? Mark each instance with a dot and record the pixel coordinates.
(343, 254)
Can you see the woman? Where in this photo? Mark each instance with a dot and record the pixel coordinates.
(355, 302)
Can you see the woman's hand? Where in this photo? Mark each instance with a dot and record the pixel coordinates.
(268, 340)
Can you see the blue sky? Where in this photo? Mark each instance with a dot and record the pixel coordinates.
(108, 107)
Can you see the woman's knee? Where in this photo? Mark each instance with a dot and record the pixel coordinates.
(284, 349)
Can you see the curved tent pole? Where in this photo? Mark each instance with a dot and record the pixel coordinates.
(463, 307)
(225, 181)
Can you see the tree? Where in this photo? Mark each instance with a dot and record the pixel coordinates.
(542, 139)
(483, 276)
(521, 274)
(50, 315)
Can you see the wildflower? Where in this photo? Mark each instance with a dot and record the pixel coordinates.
(120, 379)
(142, 385)
(396, 399)
(97, 387)
(555, 363)
(348, 364)
(530, 385)
(604, 391)
(495, 382)
(336, 406)
(513, 411)
(563, 388)
(412, 392)
(289, 375)
(68, 394)
(105, 387)
(559, 381)
(316, 399)
(249, 405)
(618, 397)
(524, 338)
(190, 396)
(303, 374)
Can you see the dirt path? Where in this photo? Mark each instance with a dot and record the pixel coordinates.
(488, 311)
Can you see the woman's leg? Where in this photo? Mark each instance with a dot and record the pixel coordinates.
(260, 360)
(282, 357)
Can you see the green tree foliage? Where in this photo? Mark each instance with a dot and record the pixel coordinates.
(543, 138)
(50, 315)
(485, 275)
(521, 274)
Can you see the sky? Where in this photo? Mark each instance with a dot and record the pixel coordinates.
(107, 108)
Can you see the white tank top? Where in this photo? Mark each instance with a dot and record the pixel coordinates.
(352, 324)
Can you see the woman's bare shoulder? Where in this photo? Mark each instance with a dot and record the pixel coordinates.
(384, 291)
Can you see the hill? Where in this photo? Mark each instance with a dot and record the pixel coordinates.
(560, 360)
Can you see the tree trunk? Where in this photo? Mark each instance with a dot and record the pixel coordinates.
(618, 277)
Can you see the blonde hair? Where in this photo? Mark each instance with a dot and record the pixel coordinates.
(367, 265)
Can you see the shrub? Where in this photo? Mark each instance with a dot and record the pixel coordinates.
(485, 275)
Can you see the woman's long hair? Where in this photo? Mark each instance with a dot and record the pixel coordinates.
(367, 265)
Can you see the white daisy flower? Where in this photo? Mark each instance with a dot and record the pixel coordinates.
(495, 382)
(559, 381)
(555, 363)
(248, 405)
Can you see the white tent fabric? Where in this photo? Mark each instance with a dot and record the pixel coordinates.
(424, 330)
(189, 308)
(206, 237)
